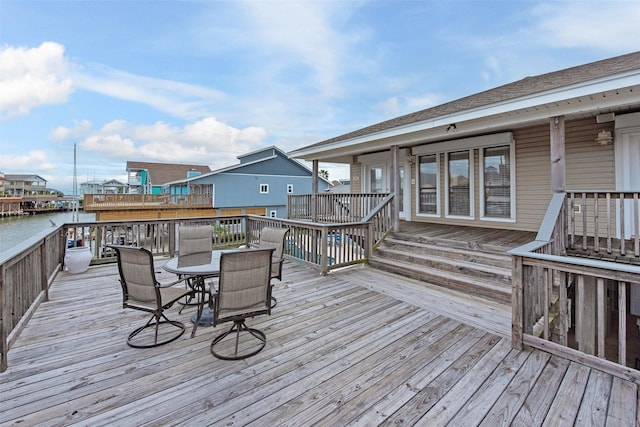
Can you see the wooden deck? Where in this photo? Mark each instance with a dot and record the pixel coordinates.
(358, 347)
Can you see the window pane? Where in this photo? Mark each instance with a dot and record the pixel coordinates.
(459, 191)
(497, 182)
(376, 180)
(428, 180)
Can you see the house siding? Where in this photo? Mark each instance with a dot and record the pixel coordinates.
(588, 166)
(533, 176)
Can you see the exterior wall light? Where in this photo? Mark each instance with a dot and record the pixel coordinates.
(604, 137)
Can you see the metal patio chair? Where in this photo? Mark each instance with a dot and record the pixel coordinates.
(244, 291)
(195, 243)
(142, 291)
(275, 238)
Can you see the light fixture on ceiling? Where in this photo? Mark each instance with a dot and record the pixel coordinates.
(604, 137)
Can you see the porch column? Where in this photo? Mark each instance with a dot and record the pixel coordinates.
(557, 155)
(395, 187)
(314, 191)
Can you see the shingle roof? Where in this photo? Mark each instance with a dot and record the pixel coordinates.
(520, 88)
(161, 173)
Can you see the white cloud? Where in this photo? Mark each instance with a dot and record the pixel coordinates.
(389, 107)
(32, 77)
(178, 99)
(34, 160)
(62, 133)
(589, 24)
(113, 145)
(207, 141)
(295, 35)
(422, 102)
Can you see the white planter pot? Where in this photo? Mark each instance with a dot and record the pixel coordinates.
(76, 260)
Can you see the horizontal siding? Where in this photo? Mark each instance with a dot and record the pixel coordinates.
(589, 165)
(533, 176)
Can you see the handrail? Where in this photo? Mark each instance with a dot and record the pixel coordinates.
(26, 272)
(549, 284)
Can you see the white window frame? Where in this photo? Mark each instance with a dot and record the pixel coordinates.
(471, 144)
(472, 210)
(289, 188)
(417, 180)
(264, 188)
(512, 183)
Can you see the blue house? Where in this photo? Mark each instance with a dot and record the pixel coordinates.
(259, 184)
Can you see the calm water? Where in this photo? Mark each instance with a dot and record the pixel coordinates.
(16, 229)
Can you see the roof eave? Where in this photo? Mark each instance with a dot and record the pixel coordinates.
(574, 98)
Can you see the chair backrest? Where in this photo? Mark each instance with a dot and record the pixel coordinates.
(195, 243)
(274, 238)
(243, 287)
(137, 276)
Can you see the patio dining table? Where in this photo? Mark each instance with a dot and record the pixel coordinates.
(199, 267)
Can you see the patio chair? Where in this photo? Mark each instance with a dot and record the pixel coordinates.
(274, 238)
(243, 291)
(195, 243)
(142, 291)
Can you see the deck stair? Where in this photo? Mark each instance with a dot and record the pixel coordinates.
(476, 268)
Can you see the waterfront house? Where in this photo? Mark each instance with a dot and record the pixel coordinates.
(149, 177)
(112, 186)
(259, 184)
(21, 185)
(555, 154)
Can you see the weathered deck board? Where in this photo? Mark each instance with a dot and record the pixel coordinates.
(358, 347)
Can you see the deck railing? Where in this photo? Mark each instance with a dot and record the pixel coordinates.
(144, 201)
(604, 221)
(332, 207)
(27, 271)
(563, 304)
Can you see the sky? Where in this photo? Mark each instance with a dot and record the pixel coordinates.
(201, 82)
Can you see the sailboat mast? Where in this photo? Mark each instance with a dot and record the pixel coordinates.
(74, 217)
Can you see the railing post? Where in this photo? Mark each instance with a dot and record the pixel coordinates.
(517, 306)
(324, 243)
(172, 238)
(395, 188)
(3, 324)
(314, 191)
(43, 270)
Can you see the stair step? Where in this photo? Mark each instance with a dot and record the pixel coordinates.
(448, 265)
(451, 243)
(500, 260)
(493, 289)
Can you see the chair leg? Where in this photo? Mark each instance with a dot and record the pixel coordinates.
(274, 302)
(155, 322)
(238, 327)
(195, 288)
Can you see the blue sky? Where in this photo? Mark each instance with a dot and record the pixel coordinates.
(202, 82)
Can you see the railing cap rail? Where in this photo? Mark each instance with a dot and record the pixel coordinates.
(524, 251)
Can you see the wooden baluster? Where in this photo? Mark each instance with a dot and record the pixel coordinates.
(601, 307)
(622, 323)
(573, 221)
(596, 224)
(636, 222)
(622, 243)
(609, 222)
(584, 222)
